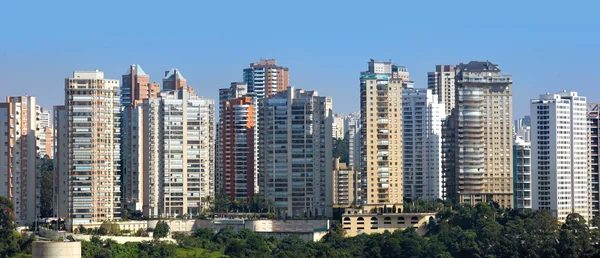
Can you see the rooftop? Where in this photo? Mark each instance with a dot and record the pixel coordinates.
(169, 75)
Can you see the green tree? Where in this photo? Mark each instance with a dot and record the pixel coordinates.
(161, 230)
(341, 150)
(47, 182)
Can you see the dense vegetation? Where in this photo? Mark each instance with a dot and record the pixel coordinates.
(46, 194)
(480, 231)
(341, 150)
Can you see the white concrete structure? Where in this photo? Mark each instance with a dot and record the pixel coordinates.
(19, 173)
(45, 132)
(442, 83)
(338, 129)
(422, 116)
(296, 153)
(178, 154)
(559, 163)
(92, 146)
(522, 173)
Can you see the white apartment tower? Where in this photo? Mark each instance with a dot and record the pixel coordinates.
(19, 174)
(296, 153)
(381, 134)
(92, 148)
(422, 143)
(178, 154)
(559, 160)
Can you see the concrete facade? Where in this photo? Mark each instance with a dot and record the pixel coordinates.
(357, 221)
(478, 153)
(560, 145)
(441, 82)
(381, 133)
(19, 172)
(92, 148)
(295, 153)
(265, 78)
(522, 173)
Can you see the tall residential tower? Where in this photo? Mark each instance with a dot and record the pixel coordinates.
(296, 152)
(92, 148)
(560, 145)
(265, 78)
(478, 166)
(381, 133)
(442, 83)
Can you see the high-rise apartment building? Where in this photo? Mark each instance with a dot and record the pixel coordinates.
(478, 141)
(19, 174)
(238, 140)
(174, 80)
(560, 146)
(45, 132)
(296, 152)
(593, 119)
(422, 144)
(132, 156)
(344, 184)
(442, 83)
(265, 78)
(61, 160)
(338, 126)
(91, 148)
(522, 173)
(136, 86)
(235, 90)
(178, 154)
(381, 133)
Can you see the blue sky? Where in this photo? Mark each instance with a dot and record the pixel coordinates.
(547, 46)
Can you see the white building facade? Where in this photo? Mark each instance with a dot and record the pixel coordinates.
(559, 164)
(422, 142)
(178, 154)
(522, 173)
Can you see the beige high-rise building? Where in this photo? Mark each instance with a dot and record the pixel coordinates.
(265, 78)
(381, 133)
(344, 184)
(478, 166)
(91, 148)
(19, 176)
(442, 83)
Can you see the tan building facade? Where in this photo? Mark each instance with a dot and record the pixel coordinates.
(481, 127)
(381, 133)
(19, 174)
(265, 78)
(357, 221)
(344, 184)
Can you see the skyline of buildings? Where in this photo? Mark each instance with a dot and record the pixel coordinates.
(130, 145)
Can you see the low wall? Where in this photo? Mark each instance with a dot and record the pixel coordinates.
(122, 239)
(43, 249)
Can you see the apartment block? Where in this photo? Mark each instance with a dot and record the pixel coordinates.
(61, 160)
(178, 154)
(523, 128)
(381, 160)
(239, 146)
(522, 173)
(92, 146)
(560, 145)
(265, 78)
(478, 163)
(441, 82)
(234, 91)
(19, 173)
(296, 152)
(344, 184)
(593, 120)
(422, 144)
(136, 86)
(338, 127)
(45, 132)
